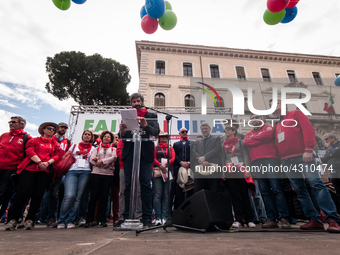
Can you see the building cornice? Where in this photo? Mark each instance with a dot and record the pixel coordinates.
(224, 52)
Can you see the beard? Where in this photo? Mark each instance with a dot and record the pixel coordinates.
(61, 132)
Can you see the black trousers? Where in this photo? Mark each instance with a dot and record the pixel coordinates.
(6, 189)
(99, 188)
(32, 185)
(208, 184)
(238, 189)
(336, 183)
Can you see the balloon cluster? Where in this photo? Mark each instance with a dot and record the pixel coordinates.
(65, 4)
(157, 12)
(283, 11)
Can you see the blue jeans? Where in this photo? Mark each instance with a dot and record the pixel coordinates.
(256, 202)
(323, 198)
(145, 175)
(270, 185)
(75, 183)
(160, 198)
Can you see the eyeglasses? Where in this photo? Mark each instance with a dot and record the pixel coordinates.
(255, 117)
(184, 132)
(63, 127)
(13, 122)
(326, 139)
(50, 128)
(229, 128)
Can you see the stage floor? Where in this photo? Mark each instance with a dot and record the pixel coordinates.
(96, 240)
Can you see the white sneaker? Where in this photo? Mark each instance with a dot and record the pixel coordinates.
(81, 222)
(70, 225)
(163, 221)
(158, 222)
(251, 225)
(62, 225)
(236, 224)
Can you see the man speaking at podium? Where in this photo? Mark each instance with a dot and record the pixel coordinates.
(149, 124)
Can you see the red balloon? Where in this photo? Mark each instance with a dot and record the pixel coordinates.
(149, 25)
(292, 3)
(277, 5)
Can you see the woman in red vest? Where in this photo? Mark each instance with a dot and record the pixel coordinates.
(35, 174)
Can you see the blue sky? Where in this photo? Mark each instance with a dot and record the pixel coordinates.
(31, 31)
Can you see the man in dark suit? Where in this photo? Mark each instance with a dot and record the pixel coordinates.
(149, 124)
(206, 151)
(182, 151)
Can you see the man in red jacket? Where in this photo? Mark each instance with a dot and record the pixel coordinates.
(12, 152)
(295, 140)
(264, 161)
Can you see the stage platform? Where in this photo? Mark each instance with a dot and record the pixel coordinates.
(97, 241)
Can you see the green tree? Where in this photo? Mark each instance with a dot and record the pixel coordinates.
(89, 80)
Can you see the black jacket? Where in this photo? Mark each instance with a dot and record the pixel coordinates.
(332, 157)
(148, 147)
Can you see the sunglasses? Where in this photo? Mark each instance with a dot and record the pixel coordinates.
(255, 117)
(184, 132)
(50, 128)
(13, 122)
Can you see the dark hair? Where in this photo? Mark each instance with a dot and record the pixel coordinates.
(106, 132)
(232, 128)
(92, 135)
(20, 119)
(136, 95)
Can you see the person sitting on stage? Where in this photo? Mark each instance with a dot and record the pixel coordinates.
(149, 125)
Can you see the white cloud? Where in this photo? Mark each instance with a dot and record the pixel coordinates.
(6, 103)
(5, 116)
(34, 98)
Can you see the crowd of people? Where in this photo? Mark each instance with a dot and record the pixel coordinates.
(97, 186)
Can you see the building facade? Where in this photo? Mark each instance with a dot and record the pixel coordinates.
(169, 76)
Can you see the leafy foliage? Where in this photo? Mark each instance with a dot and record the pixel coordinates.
(89, 80)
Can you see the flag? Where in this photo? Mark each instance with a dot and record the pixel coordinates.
(328, 107)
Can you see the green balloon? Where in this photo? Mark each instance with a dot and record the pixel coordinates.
(62, 4)
(272, 18)
(168, 6)
(168, 21)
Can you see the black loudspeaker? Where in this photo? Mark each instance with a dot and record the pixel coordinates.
(204, 210)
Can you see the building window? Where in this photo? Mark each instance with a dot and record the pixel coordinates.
(189, 101)
(159, 99)
(241, 75)
(291, 76)
(187, 69)
(218, 104)
(265, 74)
(214, 71)
(160, 67)
(317, 78)
(337, 75)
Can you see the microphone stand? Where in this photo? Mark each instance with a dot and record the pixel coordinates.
(168, 223)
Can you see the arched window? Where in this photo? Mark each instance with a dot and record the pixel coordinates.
(189, 101)
(218, 104)
(159, 99)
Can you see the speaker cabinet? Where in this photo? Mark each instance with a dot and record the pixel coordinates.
(204, 210)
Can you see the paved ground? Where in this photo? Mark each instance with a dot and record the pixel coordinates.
(97, 241)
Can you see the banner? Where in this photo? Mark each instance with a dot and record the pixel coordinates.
(101, 122)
